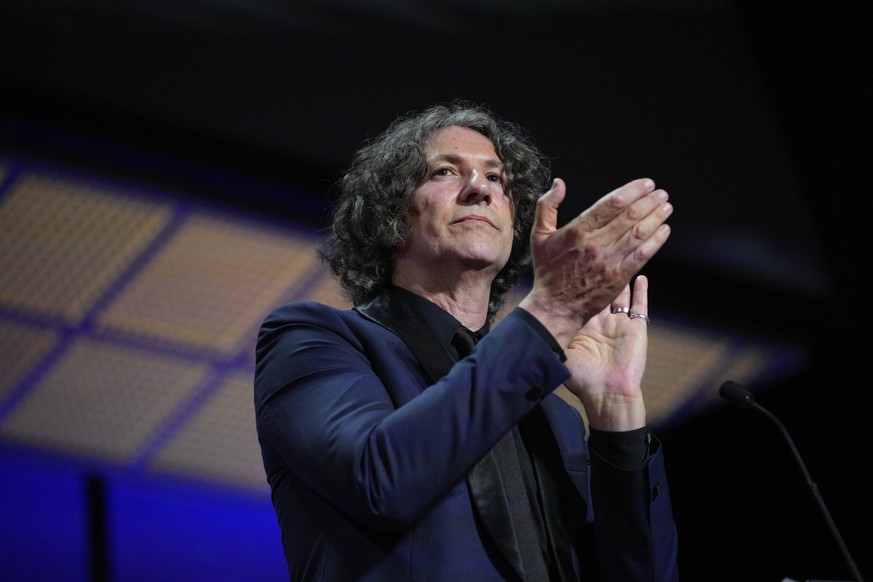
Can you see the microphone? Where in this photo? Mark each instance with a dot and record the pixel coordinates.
(736, 394)
(742, 397)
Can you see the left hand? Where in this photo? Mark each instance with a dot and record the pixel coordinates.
(607, 359)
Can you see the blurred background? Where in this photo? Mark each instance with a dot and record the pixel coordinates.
(166, 171)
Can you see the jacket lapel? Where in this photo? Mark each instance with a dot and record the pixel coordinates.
(391, 313)
(487, 493)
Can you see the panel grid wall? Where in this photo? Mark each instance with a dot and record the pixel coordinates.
(128, 320)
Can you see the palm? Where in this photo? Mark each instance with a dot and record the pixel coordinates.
(607, 357)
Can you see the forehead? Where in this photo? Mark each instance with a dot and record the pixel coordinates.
(456, 140)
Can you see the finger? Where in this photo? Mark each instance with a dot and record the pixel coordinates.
(641, 296)
(639, 231)
(613, 204)
(647, 214)
(623, 300)
(646, 250)
(654, 205)
(546, 217)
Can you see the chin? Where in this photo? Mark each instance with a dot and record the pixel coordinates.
(491, 263)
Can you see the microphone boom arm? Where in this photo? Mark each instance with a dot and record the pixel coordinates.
(733, 392)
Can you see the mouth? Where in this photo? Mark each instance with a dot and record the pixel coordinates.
(474, 218)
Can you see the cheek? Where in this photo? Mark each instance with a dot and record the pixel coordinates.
(510, 232)
(414, 207)
(421, 204)
(426, 209)
(510, 215)
(510, 243)
(422, 226)
(510, 205)
(414, 213)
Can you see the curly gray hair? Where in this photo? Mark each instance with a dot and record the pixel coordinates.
(369, 219)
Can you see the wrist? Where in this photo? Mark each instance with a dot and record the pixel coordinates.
(615, 413)
(562, 323)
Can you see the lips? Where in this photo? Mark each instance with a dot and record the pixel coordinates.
(475, 218)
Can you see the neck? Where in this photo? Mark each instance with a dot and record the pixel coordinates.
(465, 297)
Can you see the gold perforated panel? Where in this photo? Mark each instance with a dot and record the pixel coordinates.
(22, 348)
(219, 443)
(678, 362)
(210, 285)
(102, 400)
(62, 243)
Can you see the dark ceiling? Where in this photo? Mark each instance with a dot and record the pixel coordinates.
(694, 95)
(748, 113)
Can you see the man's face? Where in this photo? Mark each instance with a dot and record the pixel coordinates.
(459, 215)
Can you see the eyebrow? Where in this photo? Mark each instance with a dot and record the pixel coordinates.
(455, 159)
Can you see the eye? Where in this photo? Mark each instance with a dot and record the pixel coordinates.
(496, 178)
(443, 171)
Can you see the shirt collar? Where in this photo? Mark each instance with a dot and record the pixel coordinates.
(440, 322)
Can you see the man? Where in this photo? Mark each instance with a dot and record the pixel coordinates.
(395, 449)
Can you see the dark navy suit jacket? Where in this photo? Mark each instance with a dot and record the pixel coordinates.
(366, 452)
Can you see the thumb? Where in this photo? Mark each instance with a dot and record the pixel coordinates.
(546, 217)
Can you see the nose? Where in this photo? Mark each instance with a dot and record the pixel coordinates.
(477, 188)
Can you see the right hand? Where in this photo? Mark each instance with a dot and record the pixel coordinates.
(581, 267)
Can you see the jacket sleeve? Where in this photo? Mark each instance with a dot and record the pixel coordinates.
(328, 404)
(634, 533)
(630, 527)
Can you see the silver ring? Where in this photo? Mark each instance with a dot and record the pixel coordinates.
(640, 316)
(621, 309)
